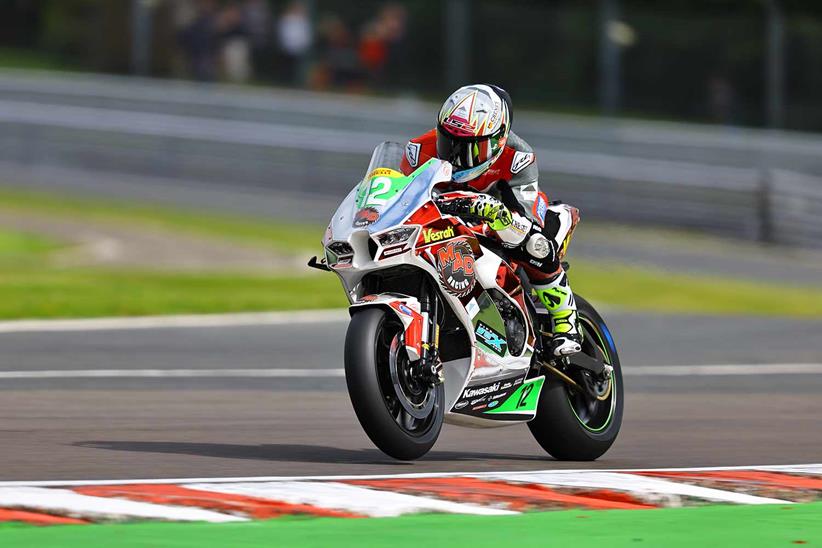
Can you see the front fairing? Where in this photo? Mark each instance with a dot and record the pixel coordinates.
(384, 199)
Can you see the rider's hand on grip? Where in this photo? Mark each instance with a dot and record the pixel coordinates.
(455, 206)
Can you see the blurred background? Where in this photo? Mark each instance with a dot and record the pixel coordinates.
(220, 135)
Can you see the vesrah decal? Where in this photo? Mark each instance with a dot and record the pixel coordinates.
(455, 263)
(491, 338)
(430, 235)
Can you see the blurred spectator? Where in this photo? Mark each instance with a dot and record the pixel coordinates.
(257, 17)
(339, 65)
(199, 40)
(381, 41)
(295, 36)
(235, 51)
(721, 100)
(374, 49)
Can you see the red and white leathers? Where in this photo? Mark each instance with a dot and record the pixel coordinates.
(513, 180)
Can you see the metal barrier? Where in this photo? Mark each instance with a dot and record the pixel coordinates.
(744, 183)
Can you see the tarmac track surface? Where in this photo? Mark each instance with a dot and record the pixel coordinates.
(126, 428)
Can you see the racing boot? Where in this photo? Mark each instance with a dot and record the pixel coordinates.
(558, 298)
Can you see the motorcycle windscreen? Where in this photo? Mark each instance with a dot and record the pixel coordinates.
(385, 197)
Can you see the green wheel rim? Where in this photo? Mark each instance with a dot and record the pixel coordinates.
(592, 328)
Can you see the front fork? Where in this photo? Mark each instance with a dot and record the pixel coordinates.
(429, 363)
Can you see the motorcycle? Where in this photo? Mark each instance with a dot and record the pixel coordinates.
(444, 328)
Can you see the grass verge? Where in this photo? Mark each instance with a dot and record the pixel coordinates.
(283, 236)
(89, 293)
(32, 287)
(707, 526)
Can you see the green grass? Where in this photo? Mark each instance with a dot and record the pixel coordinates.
(283, 236)
(31, 287)
(660, 291)
(706, 526)
(29, 59)
(95, 293)
(18, 250)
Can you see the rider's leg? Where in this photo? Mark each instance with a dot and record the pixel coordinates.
(551, 282)
(558, 298)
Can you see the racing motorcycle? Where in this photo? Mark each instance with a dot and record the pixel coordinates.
(445, 329)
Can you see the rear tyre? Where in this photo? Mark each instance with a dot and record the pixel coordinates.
(574, 426)
(401, 415)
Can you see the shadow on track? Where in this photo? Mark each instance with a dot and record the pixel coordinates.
(291, 452)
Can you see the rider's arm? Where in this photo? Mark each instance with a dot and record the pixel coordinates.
(521, 193)
(511, 227)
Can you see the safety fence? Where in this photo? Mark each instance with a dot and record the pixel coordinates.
(745, 183)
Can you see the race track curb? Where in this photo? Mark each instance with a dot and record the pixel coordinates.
(219, 500)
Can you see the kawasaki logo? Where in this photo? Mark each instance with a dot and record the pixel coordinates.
(430, 235)
(471, 392)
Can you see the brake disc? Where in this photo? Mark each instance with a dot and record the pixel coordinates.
(404, 383)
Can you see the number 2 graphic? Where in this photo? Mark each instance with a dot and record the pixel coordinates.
(379, 187)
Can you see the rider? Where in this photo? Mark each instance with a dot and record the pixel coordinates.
(474, 134)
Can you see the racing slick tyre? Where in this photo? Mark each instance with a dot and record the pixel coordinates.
(401, 413)
(573, 425)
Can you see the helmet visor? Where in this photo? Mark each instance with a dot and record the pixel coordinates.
(466, 152)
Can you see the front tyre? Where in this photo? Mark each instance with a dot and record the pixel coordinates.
(400, 413)
(582, 426)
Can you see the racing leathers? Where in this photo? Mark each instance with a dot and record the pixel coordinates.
(536, 232)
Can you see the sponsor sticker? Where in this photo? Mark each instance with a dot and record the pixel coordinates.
(365, 217)
(405, 310)
(412, 153)
(383, 172)
(461, 404)
(429, 235)
(541, 208)
(455, 263)
(479, 400)
(480, 391)
(472, 308)
(518, 227)
(493, 404)
(521, 161)
(391, 251)
(491, 338)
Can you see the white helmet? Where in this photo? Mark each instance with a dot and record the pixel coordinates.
(472, 128)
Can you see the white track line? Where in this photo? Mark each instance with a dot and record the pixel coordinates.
(171, 373)
(634, 371)
(809, 468)
(164, 322)
(351, 498)
(724, 369)
(68, 502)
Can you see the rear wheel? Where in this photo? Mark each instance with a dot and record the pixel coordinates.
(399, 412)
(582, 425)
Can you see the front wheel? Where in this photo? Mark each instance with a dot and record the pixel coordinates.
(573, 425)
(400, 413)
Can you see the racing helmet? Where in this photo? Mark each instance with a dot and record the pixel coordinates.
(472, 128)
